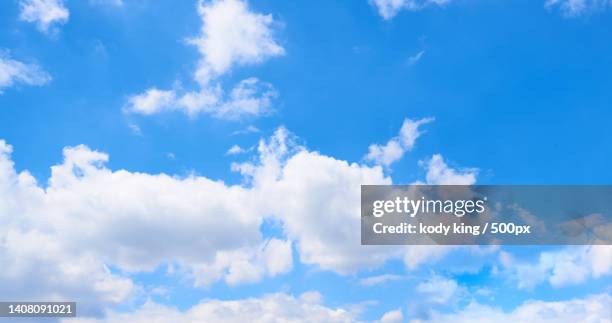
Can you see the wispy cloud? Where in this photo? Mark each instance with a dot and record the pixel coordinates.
(416, 57)
(390, 8)
(248, 130)
(575, 8)
(15, 72)
(395, 148)
(380, 279)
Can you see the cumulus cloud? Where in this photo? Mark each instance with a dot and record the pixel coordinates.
(44, 13)
(390, 8)
(89, 217)
(574, 8)
(568, 266)
(395, 148)
(592, 309)
(439, 173)
(15, 72)
(232, 35)
(92, 218)
(267, 309)
(36, 264)
(317, 189)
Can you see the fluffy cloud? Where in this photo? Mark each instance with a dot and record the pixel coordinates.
(390, 8)
(319, 207)
(592, 309)
(320, 204)
(15, 72)
(90, 218)
(574, 8)
(36, 264)
(568, 266)
(44, 13)
(395, 148)
(57, 241)
(439, 173)
(152, 101)
(269, 308)
(231, 35)
(235, 150)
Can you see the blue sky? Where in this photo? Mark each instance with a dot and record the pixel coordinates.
(516, 92)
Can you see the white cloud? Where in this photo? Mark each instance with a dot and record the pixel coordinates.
(248, 97)
(319, 207)
(231, 35)
(235, 150)
(385, 154)
(117, 3)
(574, 8)
(36, 264)
(152, 101)
(266, 309)
(395, 148)
(568, 266)
(390, 8)
(439, 290)
(90, 217)
(438, 173)
(592, 309)
(311, 297)
(380, 279)
(394, 316)
(14, 72)
(417, 57)
(44, 13)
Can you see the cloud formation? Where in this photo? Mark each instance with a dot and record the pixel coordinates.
(46, 14)
(270, 308)
(231, 36)
(390, 8)
(90, 218)
(15, 72)
(568, 266)
(395, 148)
(592, 309)
(58, 241)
